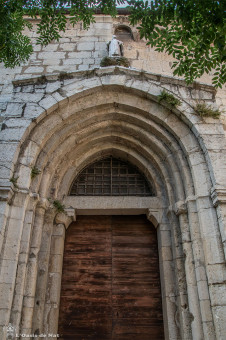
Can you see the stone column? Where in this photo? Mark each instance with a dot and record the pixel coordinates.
(52, 304)
(200, 270)
(167, 274)
(218, 196)
(191, 282)
(32, 268)
(22, 262)
(9, 255)
(6, 194)
(182, 315)
(42, 277)
(214, 262)
(218, 278)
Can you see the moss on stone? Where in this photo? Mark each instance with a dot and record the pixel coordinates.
(204, 110)
(169, 98)
(120, 61)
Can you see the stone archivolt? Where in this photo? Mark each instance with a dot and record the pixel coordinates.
(116, 112)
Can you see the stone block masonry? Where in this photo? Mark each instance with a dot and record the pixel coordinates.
(61, 112)
(80, 49)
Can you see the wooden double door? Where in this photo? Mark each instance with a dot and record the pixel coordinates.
(110, 282)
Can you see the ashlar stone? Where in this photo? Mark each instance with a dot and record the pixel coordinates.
(15, 109)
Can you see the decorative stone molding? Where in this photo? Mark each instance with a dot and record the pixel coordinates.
(163, 79)
(218, 196)
(177, 128)
(65, 218)
(34, 195)
(71, 213)
(180, 208)
(43, 203)
(191, 198)
(113, 205)
(177, 209)
(154, 216)
(6, 193)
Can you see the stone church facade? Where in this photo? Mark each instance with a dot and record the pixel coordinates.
(62, 112)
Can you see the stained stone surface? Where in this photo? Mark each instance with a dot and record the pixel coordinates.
(60, 113)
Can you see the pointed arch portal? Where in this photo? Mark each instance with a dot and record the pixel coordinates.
(88, 117)
(110, 285)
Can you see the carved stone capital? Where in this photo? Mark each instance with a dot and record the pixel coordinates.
(154, 216)
(177, 209)
(49, 215)
(43, 203)
(71, 213)
(180, 208)
(66, 217)
(6, 192)
(218, 195)
(34, 195)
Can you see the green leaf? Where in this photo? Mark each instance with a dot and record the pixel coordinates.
(191, 31)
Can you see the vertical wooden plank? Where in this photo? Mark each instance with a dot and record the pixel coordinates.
(85, 309)
(136, 293)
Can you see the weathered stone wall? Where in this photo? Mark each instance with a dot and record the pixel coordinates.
(80, 49)
(60, 122)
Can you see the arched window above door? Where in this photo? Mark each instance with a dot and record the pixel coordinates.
(111, 177)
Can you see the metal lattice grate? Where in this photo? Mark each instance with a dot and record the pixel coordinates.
(111, 177)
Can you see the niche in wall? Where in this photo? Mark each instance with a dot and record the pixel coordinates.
(124, 33)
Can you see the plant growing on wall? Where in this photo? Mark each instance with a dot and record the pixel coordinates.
(34, 172)
(13, 180)
(192, 31)
(60, 208)
(204, 110)
(169, 98)
(121, 61)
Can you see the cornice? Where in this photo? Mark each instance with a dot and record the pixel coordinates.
(218, 195)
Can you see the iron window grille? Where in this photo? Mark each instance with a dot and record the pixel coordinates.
(111, 177)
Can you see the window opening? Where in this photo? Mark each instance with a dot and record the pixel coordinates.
(111, 177)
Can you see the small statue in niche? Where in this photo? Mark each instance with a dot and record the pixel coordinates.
(115, 54)
(115, 47)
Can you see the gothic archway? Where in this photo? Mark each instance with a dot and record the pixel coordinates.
(118, 114)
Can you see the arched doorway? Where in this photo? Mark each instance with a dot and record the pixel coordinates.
(116, 111)
(110, 282)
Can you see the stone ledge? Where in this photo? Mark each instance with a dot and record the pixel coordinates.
(112, 70)
(6, 192)
(125, 205)
(218, 196)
